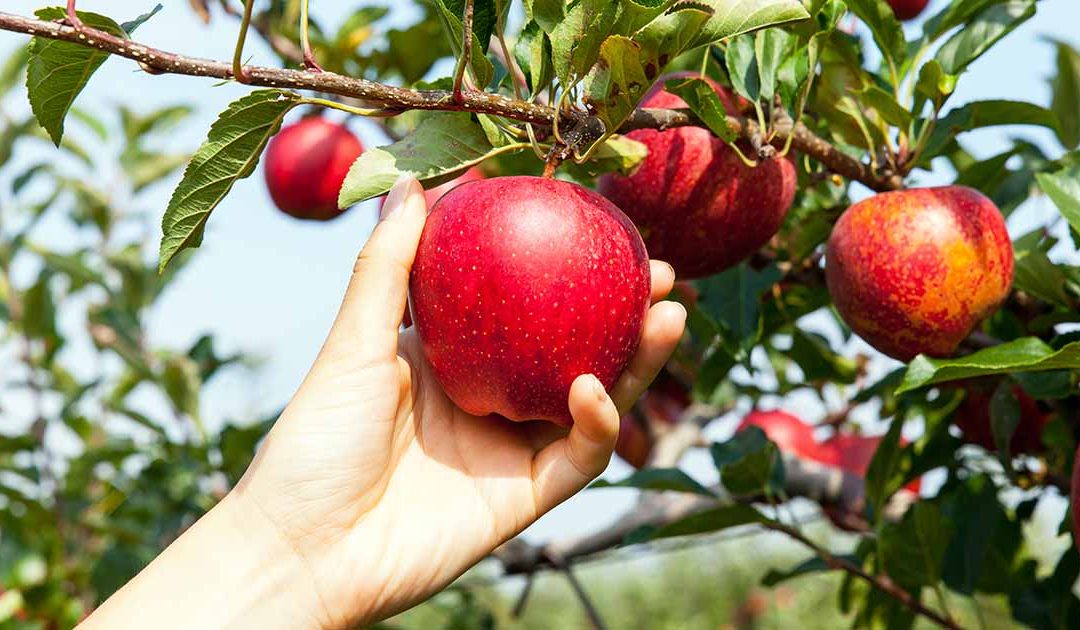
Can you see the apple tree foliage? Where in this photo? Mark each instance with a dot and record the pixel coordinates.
(111, 461)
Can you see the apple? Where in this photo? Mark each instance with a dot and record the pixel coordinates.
(915, 271)
(907, 9)
(305, 165)
(697, 205)
(790, 434)
(853, 453)
(520, 285)
(973, 418)
(662, 404)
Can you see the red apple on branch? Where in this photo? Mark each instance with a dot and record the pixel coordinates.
(697, 204)
(305, 165)
(915, 271)
(973, 418)
(907, 9)
(520, 285)
(790, 434)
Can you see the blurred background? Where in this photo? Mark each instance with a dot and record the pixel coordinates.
(268, 287)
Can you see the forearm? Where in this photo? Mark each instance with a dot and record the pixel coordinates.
(230, 569)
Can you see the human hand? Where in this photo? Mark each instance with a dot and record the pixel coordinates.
(375, 488)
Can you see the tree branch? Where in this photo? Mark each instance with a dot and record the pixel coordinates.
(397, 99)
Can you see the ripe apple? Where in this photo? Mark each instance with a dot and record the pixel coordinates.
(306, 163)
(973, 418)
(520, 285)
(697, 205)
(853, 453)
(790, 434)
(907, 9)
(914, 271)
(663, 403)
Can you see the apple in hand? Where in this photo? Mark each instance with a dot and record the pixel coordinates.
(520, 285)
(915, 271)
(697, 205)
(305, 165)
(790, 434)
(907, 9)
(973, 418)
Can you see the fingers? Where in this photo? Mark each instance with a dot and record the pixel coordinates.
(663, 279)
(663, 328)
(371, 313)
(564, 467)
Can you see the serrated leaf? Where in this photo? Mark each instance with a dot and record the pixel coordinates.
(735, 17)
(703, 100)
(533, 54)
(981, 114)
(661, 479)
(230, 153)
(617, 82)
(979, 34)
(1063, 188)
(886, 29)
(912, 550)
(442, 146)
(576, 41)
(547, 13)
(1029, 354)
(57, 71)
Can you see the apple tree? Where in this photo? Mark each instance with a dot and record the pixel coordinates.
(770, 150)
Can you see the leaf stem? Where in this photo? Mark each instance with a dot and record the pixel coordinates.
(239, 72)
(305, 41)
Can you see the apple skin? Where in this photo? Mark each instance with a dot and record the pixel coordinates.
(664, 402)
(305, 165)
(789, 433)
(520, 285)
(907, 9)
(914, 271)
(973, 418)
(853, 453)
(697, 205)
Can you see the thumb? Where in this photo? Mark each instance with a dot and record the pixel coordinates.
(367, 323)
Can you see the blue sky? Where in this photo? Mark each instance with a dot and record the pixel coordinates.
(269, 285)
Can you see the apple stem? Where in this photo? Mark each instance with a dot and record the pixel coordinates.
(555, 157)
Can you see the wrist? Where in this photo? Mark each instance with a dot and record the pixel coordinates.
(230, 569)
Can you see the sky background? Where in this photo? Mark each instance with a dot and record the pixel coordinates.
(270, 286)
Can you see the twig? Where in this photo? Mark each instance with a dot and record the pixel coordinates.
(466, 50)
(881, 583)
(305, 41)
(238, 71)
(403, 99)
(590, 609)
(72, 16)
(519, 607)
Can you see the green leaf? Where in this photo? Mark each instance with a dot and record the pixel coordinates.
(703, 100)
(137, 125)
(1029, 354)
(484, 17)
(533, 53)
(1063, 188)
(954, 14)
(742, 68)
(912, 550)
(980, 114)
(547, 13)
(734, 298)
(886, 29)
(934, 84)
(57, 71)
(660, 479)
(230, 153)
(885, 104)
(771, 47)
(1066, 99)
(576, 41)
(712, 520)
(881, 474)
(1035, 273)
(749, 463)
(483, 70)
(182, 383)
(617, 82)
(985, 540)
(130, 26)
(735, 17)
(980, 34)
(813, 564)
(1004, 418)
(817, 360)
(442, 146)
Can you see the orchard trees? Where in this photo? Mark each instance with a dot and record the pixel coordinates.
(771, 153)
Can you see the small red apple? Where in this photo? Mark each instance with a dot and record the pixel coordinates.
(907, 9)
(973, 418)
(790, 434)
(305, 165)
(520, 285)
(697, 205)
(914, 271)
(853, 453)
(663, 403)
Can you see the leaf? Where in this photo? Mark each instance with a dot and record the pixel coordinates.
(733, 298)
(703, 100)
(547, 13)
(130, 26)
(881, 473)
(912, 550)
(1035, 273)
(771, 46)
(1004, 418)
(749, 463)
(617, 82)
(985, 540)
(666, 479)
(934, 84)
(1066, 99)
(229, 153)
(817, 360)
(481, 66)
(885, 105)
(980, 114)
(1063, 188)
(813, 564)
(980, 34)
(886, 29)
(735, 17)
(742, 68)
(1029, 354)
(442, 146)
(712, 520)
(484, 17)
(57, 71)
(954, 14)
(533, 54)
(576, 41)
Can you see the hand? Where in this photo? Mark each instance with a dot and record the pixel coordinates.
(375, 488)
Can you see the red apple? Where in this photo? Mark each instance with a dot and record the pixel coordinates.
(305, 165)
(914, 271)
(790, 434)
(520, 285)
(973, 418)
(853, 453)
(697, 205)
(907, 9)
(664, 403)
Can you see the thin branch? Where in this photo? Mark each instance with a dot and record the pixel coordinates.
(586, 602)
(72, 16)
(881, 583)
(466, 50)
(238, 71)
(305, 41)
(402, 99)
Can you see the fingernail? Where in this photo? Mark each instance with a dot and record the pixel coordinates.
(670, 268)
(598, 389)
(396, 198)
